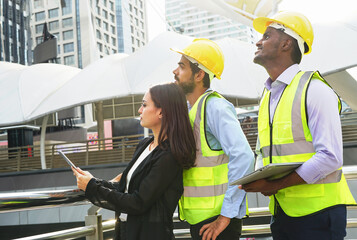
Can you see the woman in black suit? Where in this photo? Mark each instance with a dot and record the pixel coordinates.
(151, 185)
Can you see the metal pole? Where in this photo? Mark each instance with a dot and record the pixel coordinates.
(42, 142)
(100, 123)
(93, 219)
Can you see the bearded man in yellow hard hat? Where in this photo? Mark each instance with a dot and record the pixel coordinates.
(299, 122)
(212, 208)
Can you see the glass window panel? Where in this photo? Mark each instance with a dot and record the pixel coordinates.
(69, 60)
(67, 22)
(38, 3)
(67, 7)
(53, 25)
(53, 13)
(105, 14)
(39, 28)
(68, 35)
(40, 16)
(68, 47)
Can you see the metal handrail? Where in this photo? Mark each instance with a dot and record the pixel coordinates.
(64, 234)
(30, 200)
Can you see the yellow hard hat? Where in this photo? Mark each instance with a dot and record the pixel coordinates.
(207, 53)
(293, 20)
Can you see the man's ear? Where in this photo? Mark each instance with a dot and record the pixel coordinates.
(199, 75)
(287, 44)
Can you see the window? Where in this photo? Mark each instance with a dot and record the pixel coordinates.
(99, 35)
(68, 47)
(111, 6)
(106, 26)
(39, 40)
(136, 22)
(112, 19)
(53, 13)
(67, 22)
(132, 40)
(66, 7)
(138, 42)
(105, 14)
(68, 35)
(106, 37)
(114, 42)
(98, 10)
(57, 36)
(38, 3)
(100, 47)
(99, 22)
(132, 29)
(40, 16)
(112, 29)
(53, 25)
(141, 15)
(58, 49)
(69, 60)
(39, 28)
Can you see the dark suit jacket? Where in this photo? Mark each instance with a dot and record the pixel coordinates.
(154, 190)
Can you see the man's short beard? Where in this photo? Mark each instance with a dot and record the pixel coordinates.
(187, 87)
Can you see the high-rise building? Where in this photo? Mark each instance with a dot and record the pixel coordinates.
(132, 32)
(88, 30)
(184, 18)
(15, 41)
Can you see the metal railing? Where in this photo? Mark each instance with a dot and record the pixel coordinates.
(81, 153)
(10, 202)
(120, 149)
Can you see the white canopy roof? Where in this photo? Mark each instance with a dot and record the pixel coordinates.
(29, 92)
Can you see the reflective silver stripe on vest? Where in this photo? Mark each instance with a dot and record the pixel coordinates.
(333, 177)
(205, 191)
(299, 147)
(202, 161)
(297, 128)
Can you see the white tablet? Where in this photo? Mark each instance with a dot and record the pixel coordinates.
(66, 158)
(270, 171)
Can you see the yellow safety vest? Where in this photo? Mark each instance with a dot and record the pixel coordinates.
(288, 139)
(205, 184)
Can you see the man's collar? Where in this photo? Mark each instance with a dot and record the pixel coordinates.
(285, 77)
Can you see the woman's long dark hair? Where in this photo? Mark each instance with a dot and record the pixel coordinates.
(175, 123)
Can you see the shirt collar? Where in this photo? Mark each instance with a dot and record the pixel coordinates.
(285, 77)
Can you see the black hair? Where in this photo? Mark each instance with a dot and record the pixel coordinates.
(195, 69)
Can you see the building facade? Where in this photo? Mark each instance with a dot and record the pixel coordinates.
(15, 40)
(184, 18)
(89, 30)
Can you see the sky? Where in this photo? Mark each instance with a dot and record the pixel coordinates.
(315, 10)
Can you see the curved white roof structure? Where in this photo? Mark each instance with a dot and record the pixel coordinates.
(29, 92)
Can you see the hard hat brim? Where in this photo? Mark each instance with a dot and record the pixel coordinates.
(260, 24)
(182, 53)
